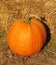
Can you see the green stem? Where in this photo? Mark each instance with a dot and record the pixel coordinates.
(27, 20)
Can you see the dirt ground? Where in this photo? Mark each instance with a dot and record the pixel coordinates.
(11, 10)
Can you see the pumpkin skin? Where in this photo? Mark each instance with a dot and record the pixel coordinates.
(26, 38)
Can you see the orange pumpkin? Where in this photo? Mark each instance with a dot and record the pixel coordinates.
(26, 37)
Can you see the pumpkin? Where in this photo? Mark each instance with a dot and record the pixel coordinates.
(26, 37)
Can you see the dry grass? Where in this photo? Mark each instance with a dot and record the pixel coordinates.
(10, 10)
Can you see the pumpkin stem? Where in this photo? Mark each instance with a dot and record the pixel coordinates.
(27, 20)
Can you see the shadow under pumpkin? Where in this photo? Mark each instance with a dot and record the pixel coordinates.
(48, 34)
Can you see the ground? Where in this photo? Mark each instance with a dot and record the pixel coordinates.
(11, 10)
